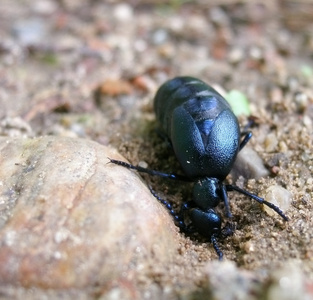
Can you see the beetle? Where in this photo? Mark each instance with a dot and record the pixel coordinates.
(206, 138)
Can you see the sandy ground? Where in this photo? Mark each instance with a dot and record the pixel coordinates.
(90, 69)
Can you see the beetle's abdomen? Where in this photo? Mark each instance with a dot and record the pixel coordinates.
(201, 126)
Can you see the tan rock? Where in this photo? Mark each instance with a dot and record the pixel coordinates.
(71, 220)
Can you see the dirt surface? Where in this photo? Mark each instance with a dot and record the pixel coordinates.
(90, 69)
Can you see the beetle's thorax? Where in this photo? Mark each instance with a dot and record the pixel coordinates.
(207, 192)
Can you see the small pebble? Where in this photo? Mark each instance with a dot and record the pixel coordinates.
(123, 12)
(219, 16)
(301, 101)
(15, 127)
(235, 55)
(30, 32)
(160, 36)
(307, 121)
(279, 196)
(249, 165)
(270, 142)
(256, 53)
(226, 281)
(248, 247)
(287, 283)
(293, 84)
(45, 7)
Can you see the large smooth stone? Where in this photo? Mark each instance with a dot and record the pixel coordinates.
(71, 220)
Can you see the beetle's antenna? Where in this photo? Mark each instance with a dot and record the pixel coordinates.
(149, 171)
(216, 247)
(177, 217)
(230, 187)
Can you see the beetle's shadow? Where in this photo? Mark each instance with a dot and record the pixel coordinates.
(160, 156)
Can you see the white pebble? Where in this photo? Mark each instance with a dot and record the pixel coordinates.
(279, 196)
(123, 12)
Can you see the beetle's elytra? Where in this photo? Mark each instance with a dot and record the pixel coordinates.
(206, 139)
(199, 122)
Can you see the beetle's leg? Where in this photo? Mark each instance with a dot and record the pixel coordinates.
(186, 206)
(245, 140)
(251, 122)
(216, 247)
(230, 187)
(228, 229)
(245, 131)
(226, 202)
(149, 171)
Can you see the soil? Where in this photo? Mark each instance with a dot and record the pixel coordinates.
(90, 69)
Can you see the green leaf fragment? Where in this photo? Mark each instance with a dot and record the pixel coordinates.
(238, 102)
(307, 71)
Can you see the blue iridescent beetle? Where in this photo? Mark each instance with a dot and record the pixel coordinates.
(205, 136)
